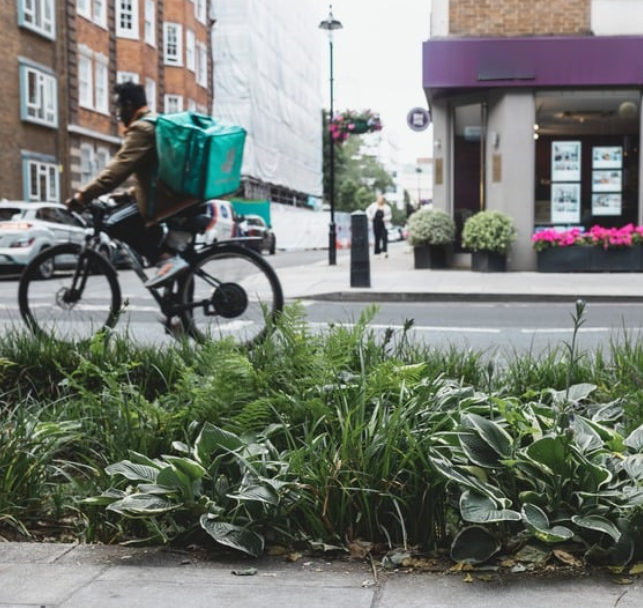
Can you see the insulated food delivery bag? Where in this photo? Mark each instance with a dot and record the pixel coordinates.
(199, 156)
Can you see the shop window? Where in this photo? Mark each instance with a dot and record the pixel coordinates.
(587, 158)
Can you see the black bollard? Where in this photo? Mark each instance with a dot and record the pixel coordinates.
(360, 262)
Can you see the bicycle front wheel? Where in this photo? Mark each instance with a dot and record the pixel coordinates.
(230, 292)
(77, 299)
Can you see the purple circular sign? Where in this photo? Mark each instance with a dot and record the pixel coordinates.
(418, 119)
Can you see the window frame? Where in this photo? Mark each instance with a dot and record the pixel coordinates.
(190, 50)
(46, 95)
(131, 33)
(169, 98)
(46, 167)
(101, 83)
(201, 69)
(122, 76)
(173, 59)
(85, 87)
(28, 17)
(150, 93)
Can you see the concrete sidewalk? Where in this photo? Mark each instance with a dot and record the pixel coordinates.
(395, 278)
(88, 576)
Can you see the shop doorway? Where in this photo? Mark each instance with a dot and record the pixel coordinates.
(468, 165)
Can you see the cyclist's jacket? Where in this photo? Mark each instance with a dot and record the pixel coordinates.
(137, 157)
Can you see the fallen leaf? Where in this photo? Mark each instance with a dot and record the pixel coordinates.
(637, 568)
(359, 549)
(567, 558)
(468, 578)
(293, 557)
(622, 581)
(487, 578)
(616, 569)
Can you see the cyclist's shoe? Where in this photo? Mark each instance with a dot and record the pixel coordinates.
(167, 270)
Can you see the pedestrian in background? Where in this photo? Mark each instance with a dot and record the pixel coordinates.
(380, 214)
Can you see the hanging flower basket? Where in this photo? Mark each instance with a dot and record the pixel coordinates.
(352, 122)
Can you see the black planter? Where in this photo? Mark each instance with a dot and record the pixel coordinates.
(431, 256)
(625, 259)
(488, 261)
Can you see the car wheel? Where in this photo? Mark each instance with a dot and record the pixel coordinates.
(46, 270)
(273, 246)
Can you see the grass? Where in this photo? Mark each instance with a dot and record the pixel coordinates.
(352, 414)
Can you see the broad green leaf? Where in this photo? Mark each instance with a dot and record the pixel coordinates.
(135, 472)
(576, 393)
(180, 447)
(492, 433)
(213, 439)
(257, 493)
(479, 509)
(477, 450)
(190, 468)
(233, 536)
(585, 436)
(633, 466)
(138, 505)
(465, 481)
(550, 453)
(635, 439)
(172, 478)
(474, 545)
(600, 524)
(138, 458)
(537, 522)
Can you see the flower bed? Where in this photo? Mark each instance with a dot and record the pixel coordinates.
(596, 250)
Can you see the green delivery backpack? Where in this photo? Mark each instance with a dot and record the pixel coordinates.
(198, 156)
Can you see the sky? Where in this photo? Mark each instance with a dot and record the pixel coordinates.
(377, 64)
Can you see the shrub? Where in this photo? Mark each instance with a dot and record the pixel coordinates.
(489, 231)
(431, 227)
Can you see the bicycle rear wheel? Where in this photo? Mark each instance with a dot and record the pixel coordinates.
(81, 297)
(230, 292)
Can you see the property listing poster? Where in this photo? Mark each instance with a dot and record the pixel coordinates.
(607, 180)
(565, 177)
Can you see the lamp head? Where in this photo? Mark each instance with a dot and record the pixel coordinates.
(330, 23)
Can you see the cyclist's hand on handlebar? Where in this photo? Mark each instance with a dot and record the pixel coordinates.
(74, 203)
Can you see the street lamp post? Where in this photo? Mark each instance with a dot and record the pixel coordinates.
(330, 24)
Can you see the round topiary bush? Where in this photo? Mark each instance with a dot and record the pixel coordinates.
(489, 231)
(430, 227)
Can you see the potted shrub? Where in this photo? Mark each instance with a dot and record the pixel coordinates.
(431, 234)
(489, 235)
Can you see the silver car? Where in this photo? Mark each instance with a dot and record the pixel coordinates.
(28, 228)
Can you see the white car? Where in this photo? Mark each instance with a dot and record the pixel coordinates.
(28, 228)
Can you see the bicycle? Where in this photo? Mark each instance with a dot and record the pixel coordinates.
(228, 290)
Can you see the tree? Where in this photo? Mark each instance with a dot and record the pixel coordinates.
(358, 177)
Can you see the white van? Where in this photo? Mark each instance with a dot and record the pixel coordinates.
(223, 225)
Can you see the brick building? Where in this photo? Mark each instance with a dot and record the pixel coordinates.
(62, 59)
(536, 107)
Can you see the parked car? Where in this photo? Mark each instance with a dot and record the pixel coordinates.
(224, 223)
(26, 228)
(255, 226)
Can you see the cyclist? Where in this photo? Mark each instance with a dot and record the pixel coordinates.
(137, 157)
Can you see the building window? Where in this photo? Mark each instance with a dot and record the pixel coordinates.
(86, 163)
(102, 158)
(173, 43)
(38, 15)
(190, 62)
(150, 93)
(191, 105)
(201, 64)
(199, 11)
(85, 78)
(150, 22)
(84, 8)
(39, 102)
(100, 13)
(101, 86)
(41, 179)
(127, 18)
(173, 103)
(127, 77)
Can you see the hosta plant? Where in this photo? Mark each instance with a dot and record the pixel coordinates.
(232, 488)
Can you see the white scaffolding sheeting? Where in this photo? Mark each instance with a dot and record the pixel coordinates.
(267, 79)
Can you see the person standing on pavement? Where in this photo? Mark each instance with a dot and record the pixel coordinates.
(380, 214)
